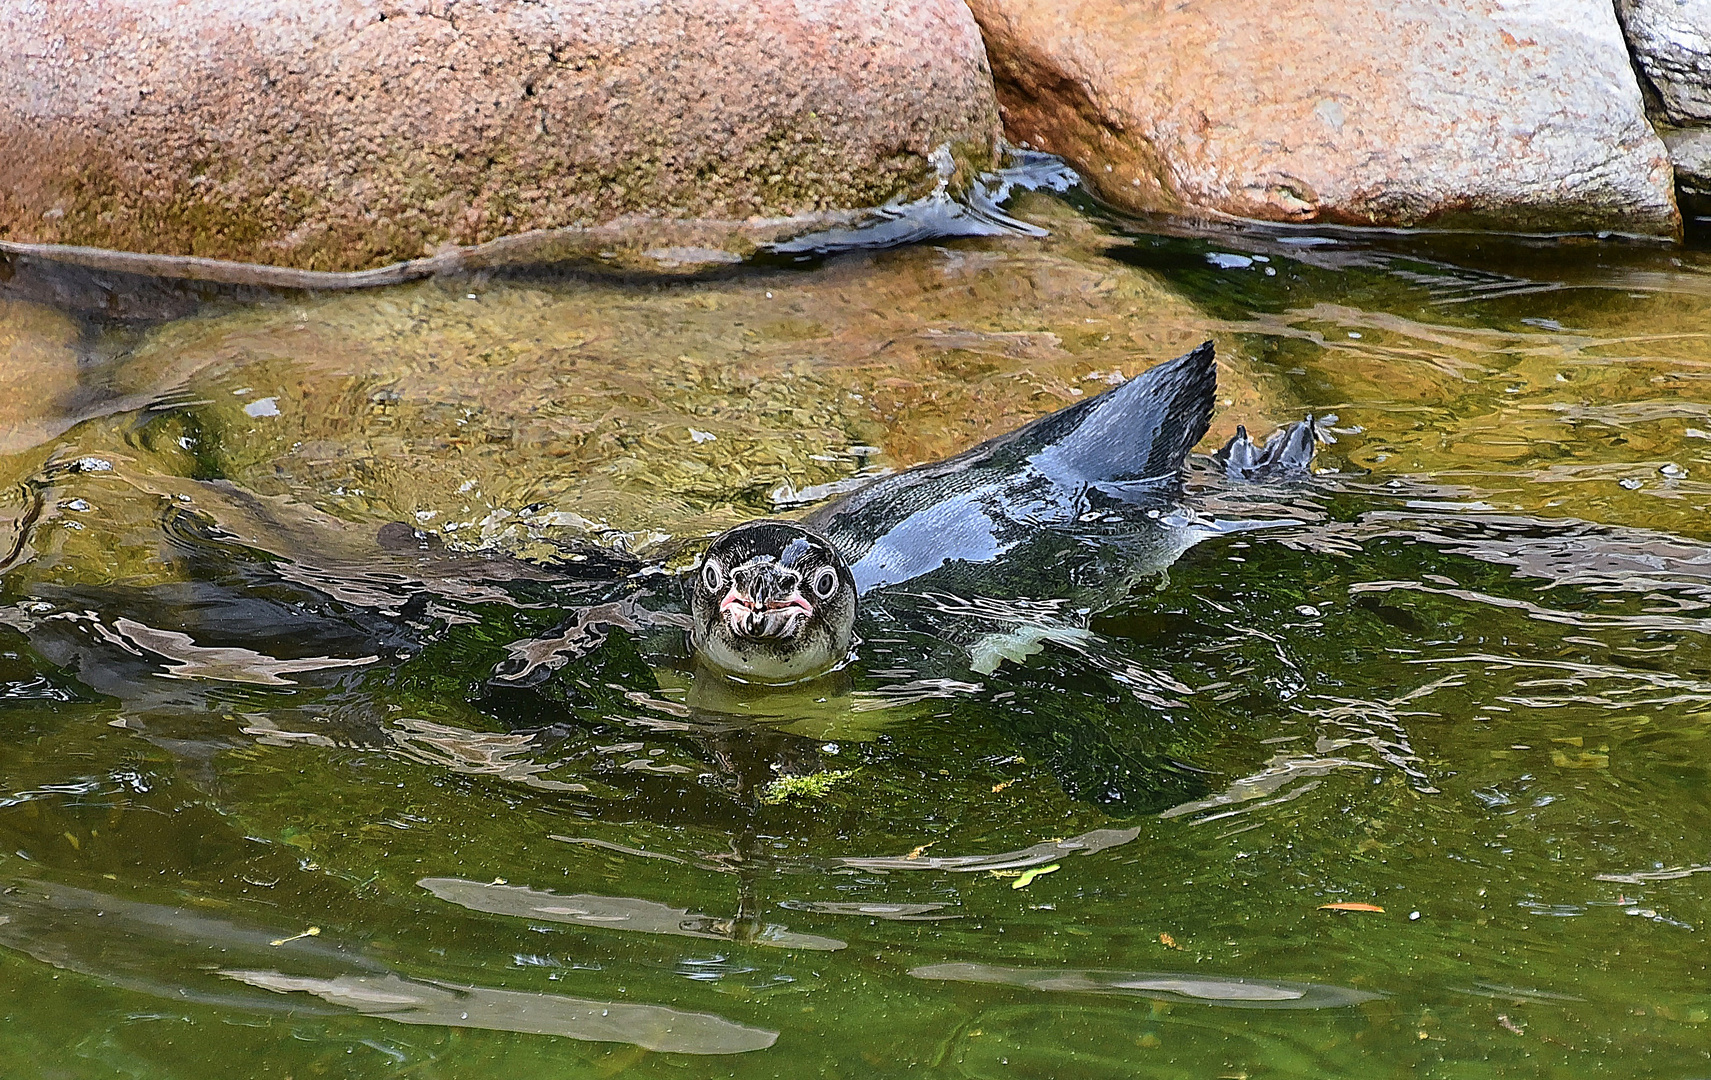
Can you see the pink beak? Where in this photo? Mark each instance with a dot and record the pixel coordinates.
(769, 620)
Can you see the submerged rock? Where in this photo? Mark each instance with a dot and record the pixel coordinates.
(1457, 113)
(343, 134)
(626, 412)
(640, 413)
(38, 374)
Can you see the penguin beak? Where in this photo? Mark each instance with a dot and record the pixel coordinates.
(767, 603)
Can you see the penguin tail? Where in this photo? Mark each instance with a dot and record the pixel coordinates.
(1139, 433)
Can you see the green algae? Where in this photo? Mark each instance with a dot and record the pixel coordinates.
(808, 787)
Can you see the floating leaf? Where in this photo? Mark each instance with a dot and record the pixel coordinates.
(1349, 906)
(313, 931)
(1027, 876)
(1168, 942)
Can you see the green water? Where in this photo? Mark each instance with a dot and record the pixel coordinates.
(265, 810)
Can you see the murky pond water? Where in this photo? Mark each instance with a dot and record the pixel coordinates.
(270, 805)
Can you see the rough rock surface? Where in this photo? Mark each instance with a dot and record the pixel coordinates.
(1690, 153)
(1508, 113)
(1671, 42)
(342, 134)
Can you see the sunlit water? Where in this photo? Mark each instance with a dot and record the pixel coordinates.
(271, 806)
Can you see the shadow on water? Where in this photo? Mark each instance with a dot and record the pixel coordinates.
(1412, 776)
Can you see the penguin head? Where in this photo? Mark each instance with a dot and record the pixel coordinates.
(772, 603)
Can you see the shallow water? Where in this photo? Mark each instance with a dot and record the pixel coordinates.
(270, 811)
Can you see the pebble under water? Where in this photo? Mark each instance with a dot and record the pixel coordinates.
(1409, 779)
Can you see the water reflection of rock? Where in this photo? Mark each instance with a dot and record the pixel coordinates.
(1035, 855)
(408, 1001)
(181, 954)
(619, 913)
(892, 912)
(1234, 992)
(189, 660)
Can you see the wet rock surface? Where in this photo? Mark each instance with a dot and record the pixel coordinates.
(1462, 113)
(345, 134)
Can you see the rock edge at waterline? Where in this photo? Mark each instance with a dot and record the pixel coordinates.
(1523, 117)
(341, 135)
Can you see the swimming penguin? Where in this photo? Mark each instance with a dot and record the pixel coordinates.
(772, 602)
(775, 602)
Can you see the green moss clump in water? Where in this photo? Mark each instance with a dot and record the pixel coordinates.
(812, 786)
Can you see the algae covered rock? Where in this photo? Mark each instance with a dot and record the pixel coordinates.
(634, 413)
(344, 134)
(38, 374)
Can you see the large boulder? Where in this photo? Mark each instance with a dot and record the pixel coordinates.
(1671, 42)
(341, 134)
(1400, 112)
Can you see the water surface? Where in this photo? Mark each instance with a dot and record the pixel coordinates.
(267, 809)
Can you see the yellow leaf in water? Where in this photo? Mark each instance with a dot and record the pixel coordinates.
(1349, 906)
(1001, 785)
(916, 854)
(1168, 942)
(1028, 876)
(1582, 760)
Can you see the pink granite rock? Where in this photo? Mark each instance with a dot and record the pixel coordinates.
(1386, 112)
(341, 134)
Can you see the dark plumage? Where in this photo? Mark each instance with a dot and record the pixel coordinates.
(1102, 469)
(1127, 446)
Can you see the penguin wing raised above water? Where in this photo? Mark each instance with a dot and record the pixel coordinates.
(1130, 442)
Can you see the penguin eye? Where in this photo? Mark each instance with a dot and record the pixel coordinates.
(712, 575)
(825, 583)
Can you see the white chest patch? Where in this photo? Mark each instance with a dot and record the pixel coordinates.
(763, 665)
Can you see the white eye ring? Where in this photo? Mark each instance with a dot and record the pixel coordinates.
(825, 583)
(712, 575)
